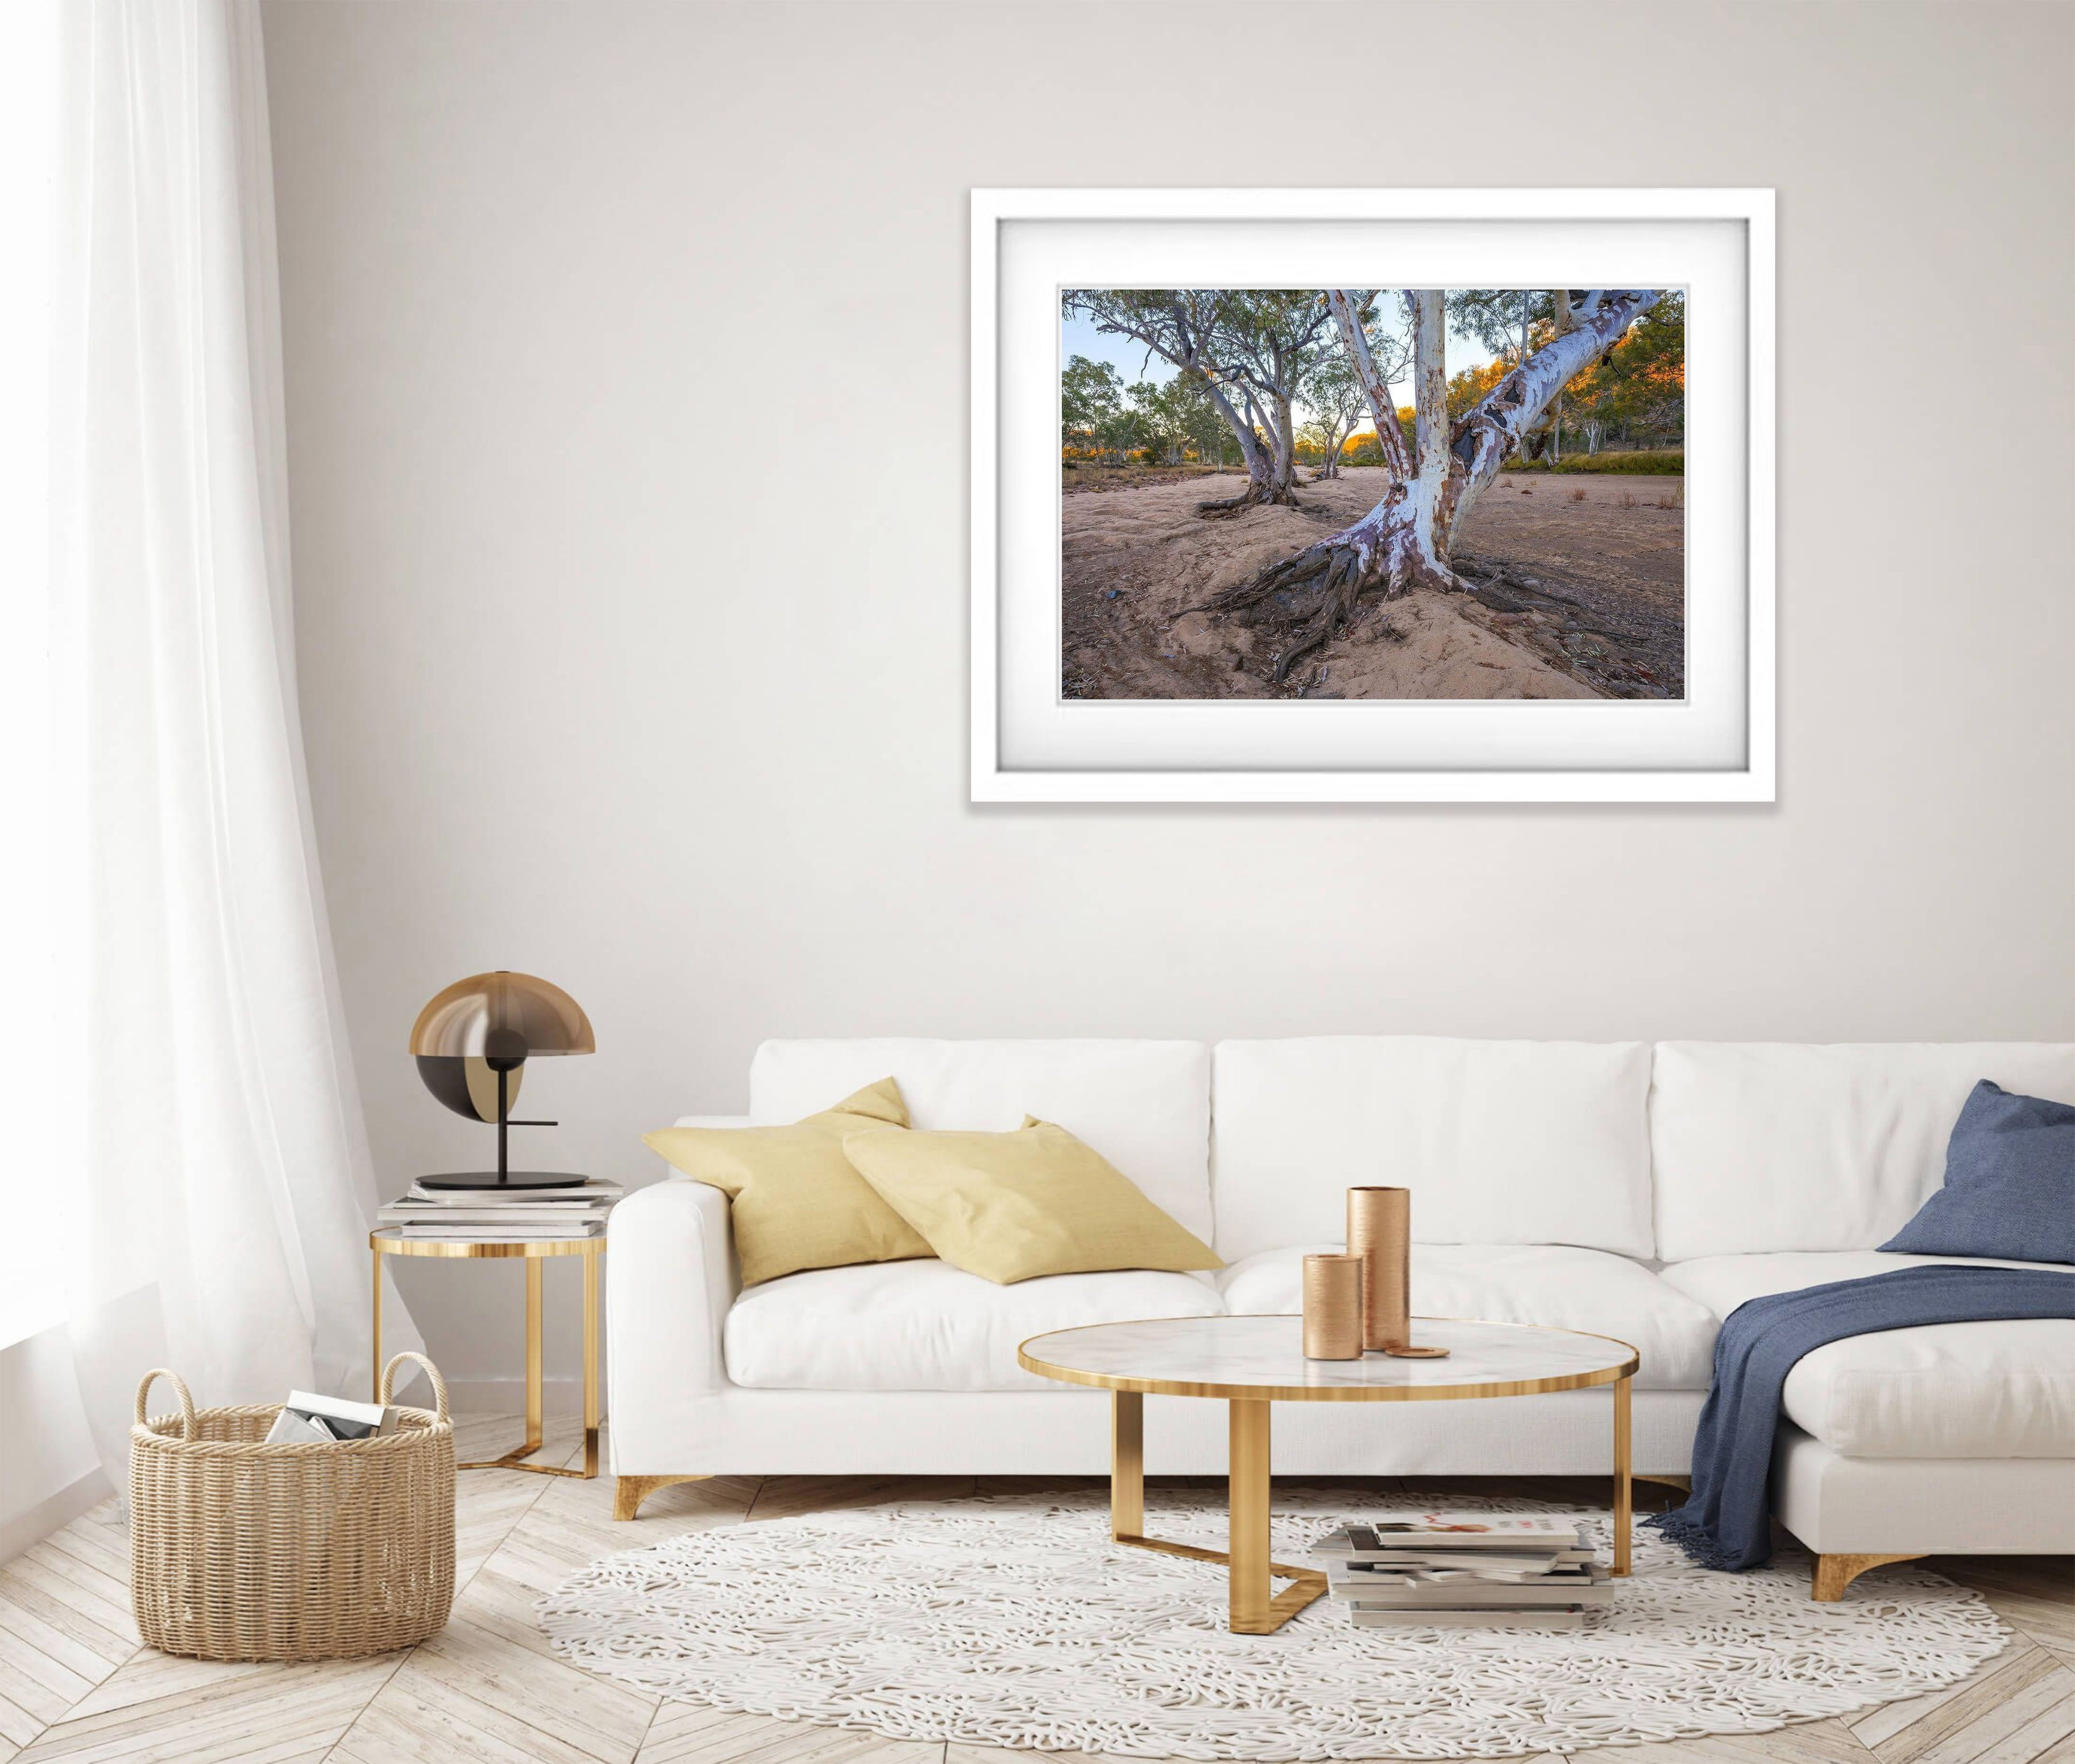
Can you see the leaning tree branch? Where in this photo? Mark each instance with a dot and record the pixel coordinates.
(1346, 304)
(1489, 430)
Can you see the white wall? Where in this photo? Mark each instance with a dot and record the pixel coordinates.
(49, 1472)
(626, 358)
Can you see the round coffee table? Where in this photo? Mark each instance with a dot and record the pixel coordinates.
(1252, 1362)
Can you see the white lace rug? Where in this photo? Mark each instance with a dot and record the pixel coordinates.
(1015, 1622)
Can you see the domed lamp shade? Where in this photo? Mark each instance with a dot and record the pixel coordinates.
(472, 1042)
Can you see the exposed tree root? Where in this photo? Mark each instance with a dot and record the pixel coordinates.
(1634, 664)
(1308, 596)
(1306, 599)
(1495, 585)
(1255, 495)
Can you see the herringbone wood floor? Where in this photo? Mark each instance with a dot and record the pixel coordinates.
(75, 1685)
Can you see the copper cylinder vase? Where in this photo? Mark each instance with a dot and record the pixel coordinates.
(1380, 1233)
(1332, 1307)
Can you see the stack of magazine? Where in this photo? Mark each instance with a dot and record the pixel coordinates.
(308, 1420)
(1524, 1570)
(578, 1209)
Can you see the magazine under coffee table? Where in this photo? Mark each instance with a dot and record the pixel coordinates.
(1253, 1361)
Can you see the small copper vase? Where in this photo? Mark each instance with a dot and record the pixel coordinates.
(1380, 1231)
(1332, 1307)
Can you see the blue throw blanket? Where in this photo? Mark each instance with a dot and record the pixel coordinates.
(1725, 1521)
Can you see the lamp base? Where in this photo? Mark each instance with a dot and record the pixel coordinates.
(489, 1180)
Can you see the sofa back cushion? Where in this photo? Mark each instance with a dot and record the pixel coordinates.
(1501, 1142)
(1768, 1147)
(1145, 1106)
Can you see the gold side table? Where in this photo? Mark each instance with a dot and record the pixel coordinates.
(392, 1242)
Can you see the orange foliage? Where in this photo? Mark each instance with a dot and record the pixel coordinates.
(1472, 384)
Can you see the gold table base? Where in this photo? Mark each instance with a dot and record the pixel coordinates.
(592, 1250)
(1255, 1607)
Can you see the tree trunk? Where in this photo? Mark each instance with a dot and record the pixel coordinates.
(1260, 477)
(1261, 486)
(1284, 425)
(1405, 540)
(1430, 382)
(1343, 431)
(1390, 440)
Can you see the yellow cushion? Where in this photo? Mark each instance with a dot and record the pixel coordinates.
(795, 1200)
(1010, 1206)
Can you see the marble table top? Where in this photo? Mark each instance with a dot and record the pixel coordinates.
(1263, 1357)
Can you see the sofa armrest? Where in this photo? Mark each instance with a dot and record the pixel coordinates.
(672, 1279)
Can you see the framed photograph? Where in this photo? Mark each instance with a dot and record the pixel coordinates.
(1372, 495)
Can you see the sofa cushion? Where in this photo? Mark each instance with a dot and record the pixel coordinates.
(795, 1199)
(1145, 1106)
(1514, 1142)
(2003, 1390)
(2010, 1182)
(928, 1325)
(1762, 1146)
(1019, 1206)
(1674, 1335)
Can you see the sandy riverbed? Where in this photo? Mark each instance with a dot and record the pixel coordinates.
(1600, 614)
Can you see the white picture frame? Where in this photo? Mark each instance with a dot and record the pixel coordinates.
(1030, 744)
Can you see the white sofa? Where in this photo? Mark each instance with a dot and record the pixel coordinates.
(1632, 1191)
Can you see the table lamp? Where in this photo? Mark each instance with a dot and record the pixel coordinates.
(472, 1042)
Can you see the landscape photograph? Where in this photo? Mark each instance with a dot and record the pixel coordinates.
(1382, 494)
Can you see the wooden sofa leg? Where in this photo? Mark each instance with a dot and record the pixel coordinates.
(1834, 1573)
(630, 1492)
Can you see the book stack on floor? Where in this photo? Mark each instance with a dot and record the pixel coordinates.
(578, 1209)
(1528, 1570)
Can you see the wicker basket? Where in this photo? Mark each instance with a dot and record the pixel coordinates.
(244, 1551)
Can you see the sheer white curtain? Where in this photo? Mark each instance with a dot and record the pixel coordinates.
(29, 62)
(211, 1144)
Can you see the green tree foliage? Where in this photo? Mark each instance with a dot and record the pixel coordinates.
(1097, 418)
(1638, 389)
(1090, 402)
(1199, 427)
(1334, 397)
(1663, 462)
(1100, 418)
(1161, 418)
(1493, 316)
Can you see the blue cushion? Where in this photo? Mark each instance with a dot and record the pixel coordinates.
(2009, 1183)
